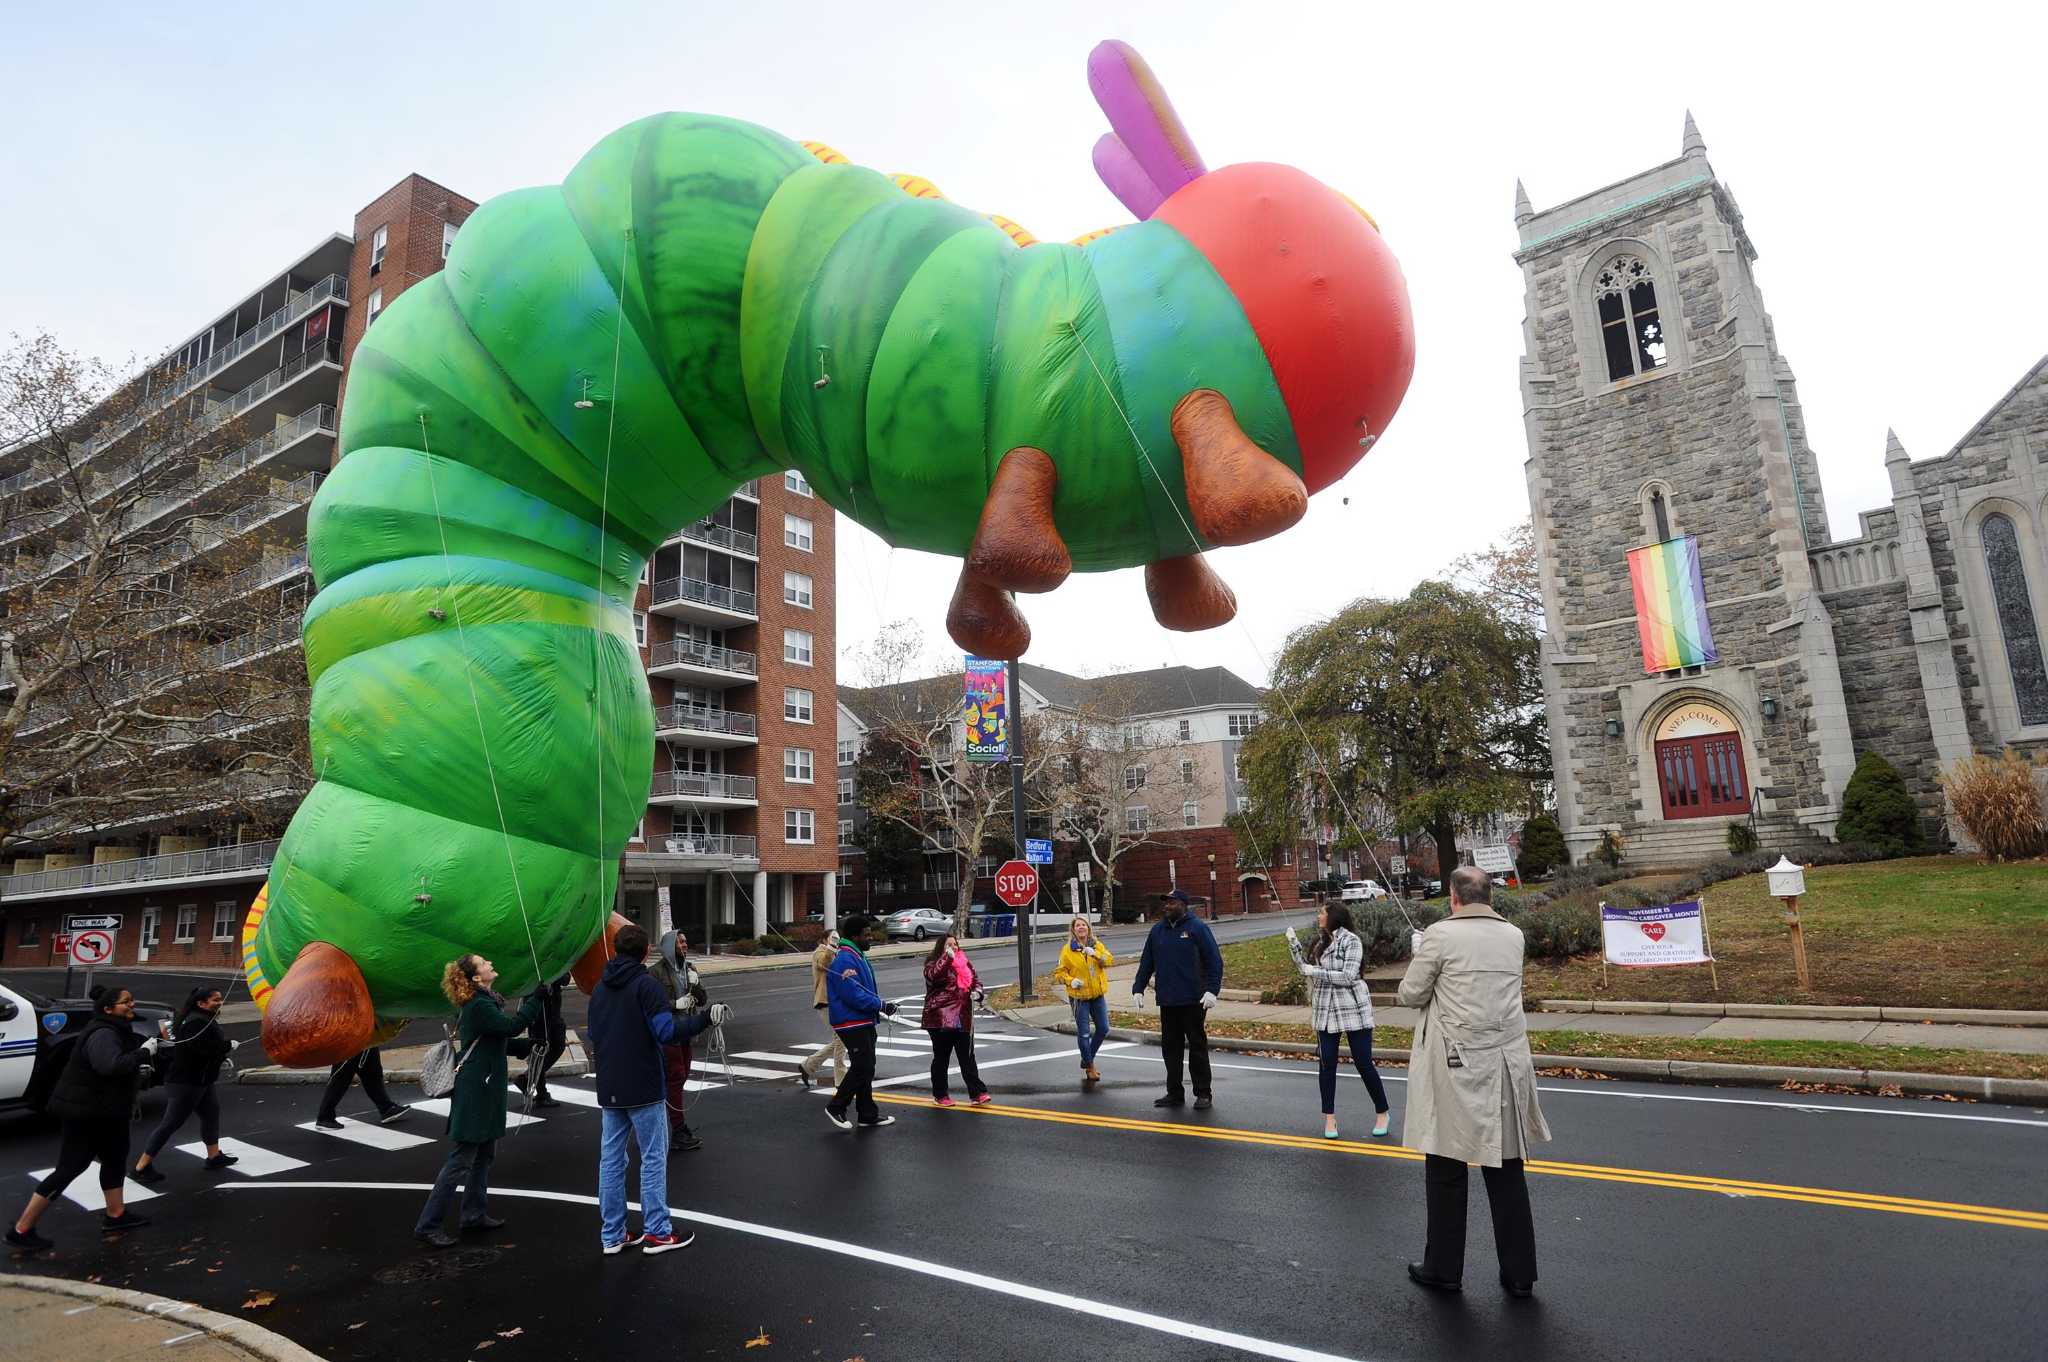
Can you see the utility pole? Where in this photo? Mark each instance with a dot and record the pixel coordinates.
(1024, 990)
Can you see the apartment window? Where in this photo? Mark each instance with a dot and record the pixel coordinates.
(646, 569)
(376, 306)
(1187, 772)
(1185, 731)
(1134, 777)
(796, 647)
(846, 877)
(796, 532)
(1190, 814)
(1138, 819)
(846, 832)
(32, 932)
(1237, 767)
(794, 481)
(152, 923)
(796, 764)
(796, 589)
(799, 826)
(224, 915)
(187, 930)
(640, 831)
(447, 239)
(1133, 735)
(846, 791)
(796, 704)
(849, 751)
(378, 240)
(640, 628)
(1242, 724)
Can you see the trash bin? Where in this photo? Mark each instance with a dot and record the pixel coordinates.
(1002, 924)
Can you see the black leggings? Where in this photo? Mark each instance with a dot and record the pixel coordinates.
(87, 1138)
(183, 1100)
(1361, 1056)
(947, 1042)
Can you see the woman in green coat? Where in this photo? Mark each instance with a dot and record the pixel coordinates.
(485, 1034)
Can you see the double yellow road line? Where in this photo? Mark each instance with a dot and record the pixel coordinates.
(1685, 1182)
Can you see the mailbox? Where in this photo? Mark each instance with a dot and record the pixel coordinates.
(1787, 880)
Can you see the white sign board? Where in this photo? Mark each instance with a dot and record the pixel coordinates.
(1397, 865)
(664, 918)
(86, 922)
(1084, 867)
(1494, 860)
(92, 948)
(1641, 937)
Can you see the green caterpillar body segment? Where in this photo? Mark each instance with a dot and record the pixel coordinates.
(600, 364)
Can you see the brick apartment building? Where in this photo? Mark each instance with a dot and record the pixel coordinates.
(735, 616)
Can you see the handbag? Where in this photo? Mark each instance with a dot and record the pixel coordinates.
(440, 1065)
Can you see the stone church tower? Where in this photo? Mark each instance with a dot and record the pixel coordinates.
(1657, 405)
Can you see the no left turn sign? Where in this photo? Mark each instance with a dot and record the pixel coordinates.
(92, 948)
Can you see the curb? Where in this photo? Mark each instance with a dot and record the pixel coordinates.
(744, 964)
(2019, 1091)
(1962, 1016)
(251, 1338)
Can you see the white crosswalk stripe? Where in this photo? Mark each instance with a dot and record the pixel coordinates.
(438, 1106)
(255, 1162)
(375, 1136)
(85, 1189)
(769, 1056)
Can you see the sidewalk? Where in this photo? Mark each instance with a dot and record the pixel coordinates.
(738, 964)
(48, 1317)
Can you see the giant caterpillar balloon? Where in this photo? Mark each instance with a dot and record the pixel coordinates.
(702, 302)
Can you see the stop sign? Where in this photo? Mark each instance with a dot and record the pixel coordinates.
(1016, 883)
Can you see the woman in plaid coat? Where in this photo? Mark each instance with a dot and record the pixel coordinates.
(1341, 1007)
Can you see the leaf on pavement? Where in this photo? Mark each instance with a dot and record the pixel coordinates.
(358, 1324)
(259, 1299)
(760, 1340)
(487, 1343)
(514, 1332)
(184, 1262)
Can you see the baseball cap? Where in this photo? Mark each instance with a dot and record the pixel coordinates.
(1173, 896)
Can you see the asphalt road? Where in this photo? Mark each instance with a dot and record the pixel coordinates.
(1672, 1223)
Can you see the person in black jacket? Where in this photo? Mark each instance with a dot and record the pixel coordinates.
(550, 1036)
(94, 1097)
(1181, 953)
(197, 1049)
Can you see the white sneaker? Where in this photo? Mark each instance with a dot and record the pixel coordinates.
(836, 1119)
(875, 1124)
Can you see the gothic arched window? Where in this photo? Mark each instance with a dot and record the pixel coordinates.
(2006, 564)
(1629, 325)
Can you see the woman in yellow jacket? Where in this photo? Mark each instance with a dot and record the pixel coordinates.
(1084, 970)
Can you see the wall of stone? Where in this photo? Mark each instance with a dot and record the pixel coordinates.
(1881, 682)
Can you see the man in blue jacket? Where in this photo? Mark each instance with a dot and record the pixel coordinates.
(630, 1020)
(854, 1009)
(1181, 954)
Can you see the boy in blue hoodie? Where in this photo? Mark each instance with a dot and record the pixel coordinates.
(855, 1008)
(630, 1020)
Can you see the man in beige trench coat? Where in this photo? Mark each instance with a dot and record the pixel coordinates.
(1472, 1084)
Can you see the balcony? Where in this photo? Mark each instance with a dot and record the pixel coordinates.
(690, 598)
(944, 881)
(702, 789)
(750, 489)
(719, 537)
(714, 846)
(277, 379)
(685, 659)
(249, 861)
(704, 726)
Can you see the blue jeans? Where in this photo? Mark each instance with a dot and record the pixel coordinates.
(470, 1165)
(1091, 1026)
(649, 1128)
(1361, 1056)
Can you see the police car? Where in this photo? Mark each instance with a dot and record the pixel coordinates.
(35, 1032)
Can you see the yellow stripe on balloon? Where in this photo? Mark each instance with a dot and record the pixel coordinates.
(828, 155)
(1097, 234)
(1015, 232)
(917, 186)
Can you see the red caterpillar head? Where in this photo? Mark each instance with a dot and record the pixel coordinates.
(1318, 284)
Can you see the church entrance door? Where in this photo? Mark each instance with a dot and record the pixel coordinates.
(1702, 777)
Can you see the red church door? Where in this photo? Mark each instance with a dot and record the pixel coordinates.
(1702, 777)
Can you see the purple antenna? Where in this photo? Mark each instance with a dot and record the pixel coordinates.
(1149, 145)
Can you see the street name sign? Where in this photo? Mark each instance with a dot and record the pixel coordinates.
(1494, 860)
(1038, 850)
(1016, 883)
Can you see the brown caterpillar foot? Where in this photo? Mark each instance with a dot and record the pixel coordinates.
(1017, 546)
(589, 966)
(1239, 493)
(985, 621)
(320, 1012)
(1187, 595)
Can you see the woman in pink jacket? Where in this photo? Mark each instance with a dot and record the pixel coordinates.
(949, 988)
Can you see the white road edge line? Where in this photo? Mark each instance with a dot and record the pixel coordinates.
(1306, 1070)
(1064, 1052)
(1143, 1319)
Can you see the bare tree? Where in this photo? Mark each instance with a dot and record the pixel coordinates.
(1508, 575)
(149, 665)
(914, 770)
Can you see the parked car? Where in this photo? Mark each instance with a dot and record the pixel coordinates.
(36, 1030)
(918, 924)
(1361, 891)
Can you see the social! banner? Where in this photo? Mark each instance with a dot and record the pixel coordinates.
(1672, 935)
(988, 711)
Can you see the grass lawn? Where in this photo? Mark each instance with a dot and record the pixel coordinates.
(1803, 1053)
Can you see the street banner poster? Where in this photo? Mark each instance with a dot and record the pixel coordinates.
(988, 711)
(1638, 937)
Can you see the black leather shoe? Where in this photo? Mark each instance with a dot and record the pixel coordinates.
(149, 1176)
(1421, 1278)
(1167, 1101)
(1521, 1291)
(438, 1239)
(543, 1102)
(1203, 1104)
(489, 1222)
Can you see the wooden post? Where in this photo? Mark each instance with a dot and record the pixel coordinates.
(1798, 943)
(1707, 940)
(1603, 948)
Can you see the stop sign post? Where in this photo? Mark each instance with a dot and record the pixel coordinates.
(1017, 883)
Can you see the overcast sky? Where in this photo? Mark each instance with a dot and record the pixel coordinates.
(158, 161)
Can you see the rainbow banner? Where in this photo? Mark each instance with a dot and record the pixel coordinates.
(1671, 605)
